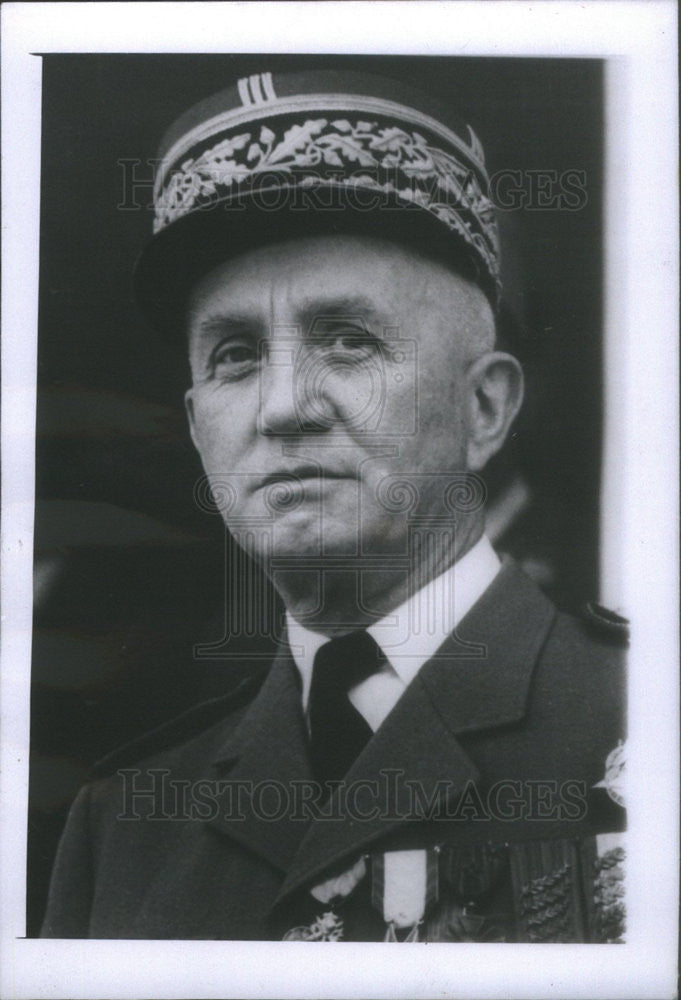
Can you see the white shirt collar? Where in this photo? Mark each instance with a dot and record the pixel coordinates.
(412, 633)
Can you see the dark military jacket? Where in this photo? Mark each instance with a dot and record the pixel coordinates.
(491, 763)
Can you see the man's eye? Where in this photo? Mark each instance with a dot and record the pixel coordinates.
(354, 344)
(234, 359)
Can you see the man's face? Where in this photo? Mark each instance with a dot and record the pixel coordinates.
(325, 370)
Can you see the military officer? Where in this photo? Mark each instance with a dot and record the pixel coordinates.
(435, 753)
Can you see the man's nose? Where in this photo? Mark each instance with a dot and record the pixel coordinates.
(292, 400)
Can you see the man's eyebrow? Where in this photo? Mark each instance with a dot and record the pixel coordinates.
(338, 305)
(224, 324)
(331, 307)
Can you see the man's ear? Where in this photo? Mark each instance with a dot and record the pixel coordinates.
(189, 408)
(495, 395)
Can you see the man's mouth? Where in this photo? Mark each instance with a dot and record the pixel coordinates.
(306, 474)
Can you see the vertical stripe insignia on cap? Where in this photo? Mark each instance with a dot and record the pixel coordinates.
(256, 89)
(254, 82)
(242, 87)
(268, 86)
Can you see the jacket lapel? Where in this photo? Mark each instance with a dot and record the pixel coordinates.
(267, 753)
(478, 680)
(507, 628)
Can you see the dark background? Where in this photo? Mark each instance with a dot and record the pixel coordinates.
(130, 573)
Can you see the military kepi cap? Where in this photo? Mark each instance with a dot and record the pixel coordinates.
(283, 155)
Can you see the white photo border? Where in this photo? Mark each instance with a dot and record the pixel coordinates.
(640, 499)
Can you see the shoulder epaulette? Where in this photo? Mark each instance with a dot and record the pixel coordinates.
(179, 729)
(605, 621)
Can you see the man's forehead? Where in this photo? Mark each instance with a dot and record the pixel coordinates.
(332, 275)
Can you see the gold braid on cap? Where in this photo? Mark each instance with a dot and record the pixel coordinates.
(351, 153)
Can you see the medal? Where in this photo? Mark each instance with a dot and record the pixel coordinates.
(403, 886)
(329, 926)
(615, 773)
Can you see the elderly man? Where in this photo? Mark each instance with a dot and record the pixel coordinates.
(426, 758)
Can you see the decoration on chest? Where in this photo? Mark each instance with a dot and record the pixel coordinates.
(404, 884)
(327, 927)
(405, 889)
(615, 774)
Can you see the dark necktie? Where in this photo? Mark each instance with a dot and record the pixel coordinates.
(338, 732)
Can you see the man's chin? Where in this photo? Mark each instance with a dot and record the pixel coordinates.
(295, 543)
(310, 544)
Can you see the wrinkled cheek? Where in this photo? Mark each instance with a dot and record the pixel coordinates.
(217, 431)
(224, 489)
(363, 400)
(437, 446)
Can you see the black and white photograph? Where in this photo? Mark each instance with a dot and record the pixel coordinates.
(343, 509)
